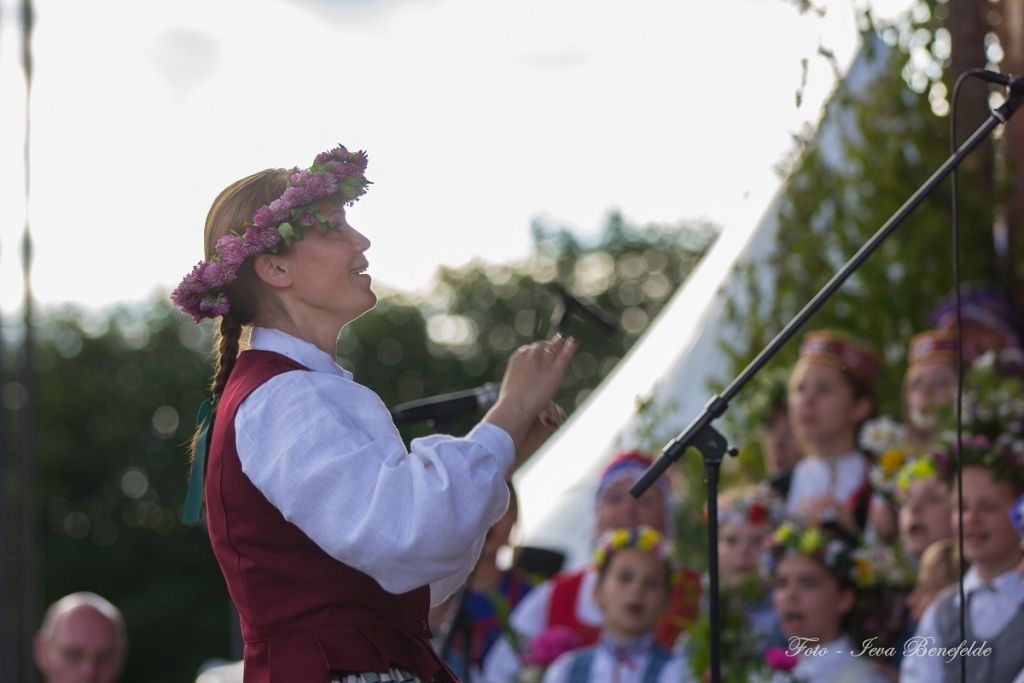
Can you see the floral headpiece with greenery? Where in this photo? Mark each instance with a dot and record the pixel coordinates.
(749, 505)
(870, 566)
(334, 172)
(1003, 457)
(933, 465)
(643, 538)
(887, 439)
(994, 394)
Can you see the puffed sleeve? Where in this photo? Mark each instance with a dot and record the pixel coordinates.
(324, 451)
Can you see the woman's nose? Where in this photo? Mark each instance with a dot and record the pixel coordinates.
(360, 241)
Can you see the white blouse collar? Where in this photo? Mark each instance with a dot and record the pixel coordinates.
(300, 351)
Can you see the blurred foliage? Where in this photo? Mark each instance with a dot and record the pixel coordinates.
(118, 391)
(887, 138)
(461, 334)
(115, 393)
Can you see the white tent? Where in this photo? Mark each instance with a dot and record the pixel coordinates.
(671, 364)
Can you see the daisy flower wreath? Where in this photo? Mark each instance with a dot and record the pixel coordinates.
(334, 172)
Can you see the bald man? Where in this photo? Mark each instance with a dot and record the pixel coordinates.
(82, 640)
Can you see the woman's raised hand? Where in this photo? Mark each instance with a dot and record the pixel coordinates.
(532, 378)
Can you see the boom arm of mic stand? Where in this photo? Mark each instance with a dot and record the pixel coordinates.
(703, 436)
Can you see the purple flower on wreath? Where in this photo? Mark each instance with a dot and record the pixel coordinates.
(215, 305)
(308, 219)
(979, 441)
(280, 209)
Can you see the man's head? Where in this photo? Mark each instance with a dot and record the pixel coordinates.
(82, 640)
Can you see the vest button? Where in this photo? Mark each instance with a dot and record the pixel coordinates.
(424, 625)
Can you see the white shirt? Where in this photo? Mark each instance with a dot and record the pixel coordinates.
(990, 609)
(834, 662)
(324, 451)
(814, 476)
(530, 617)
(605, 669)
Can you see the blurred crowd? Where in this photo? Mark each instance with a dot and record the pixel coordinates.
(842, 564)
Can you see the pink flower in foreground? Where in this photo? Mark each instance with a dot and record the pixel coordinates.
(548, 645)
(780, 659)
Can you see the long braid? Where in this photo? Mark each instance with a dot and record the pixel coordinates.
(226, 341)
(227, 352)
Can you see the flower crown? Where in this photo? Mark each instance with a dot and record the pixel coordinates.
(887, 439)
(870, 566)
(1003, 457)
(643, 538)
(934, 465)
(748, 507)
(334, 172)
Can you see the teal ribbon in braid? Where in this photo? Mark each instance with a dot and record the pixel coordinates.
(194, 495)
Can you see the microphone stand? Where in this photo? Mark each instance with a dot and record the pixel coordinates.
(712, 445)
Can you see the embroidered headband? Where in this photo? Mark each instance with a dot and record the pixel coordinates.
(839, 350)
(628, 464)
(334, 172)
(932, 346)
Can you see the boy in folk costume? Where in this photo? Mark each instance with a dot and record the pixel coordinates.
(992, 479)
(633, 586)
(567, 600)
(831, 393)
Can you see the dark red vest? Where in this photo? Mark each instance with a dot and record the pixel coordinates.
(303, 613)
(682, 609)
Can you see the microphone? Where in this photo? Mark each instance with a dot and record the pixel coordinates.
(1014, 83)
(447, 406)
(588, 312)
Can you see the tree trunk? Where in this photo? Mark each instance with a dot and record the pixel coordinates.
(967, 22)
(1011, 36)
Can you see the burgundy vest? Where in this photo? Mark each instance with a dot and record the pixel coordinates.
(303, 612)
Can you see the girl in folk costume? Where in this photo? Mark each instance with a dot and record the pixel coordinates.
(324, 525)
(747, 518)
(831, 393)
(992, 479)
(817, 577)
(917, 511)
(922, 492)
(633, 586)
(929, 386)
(567, 600)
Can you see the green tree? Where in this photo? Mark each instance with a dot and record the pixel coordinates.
(889, 140)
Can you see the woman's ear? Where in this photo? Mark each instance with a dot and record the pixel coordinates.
(272, 269)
